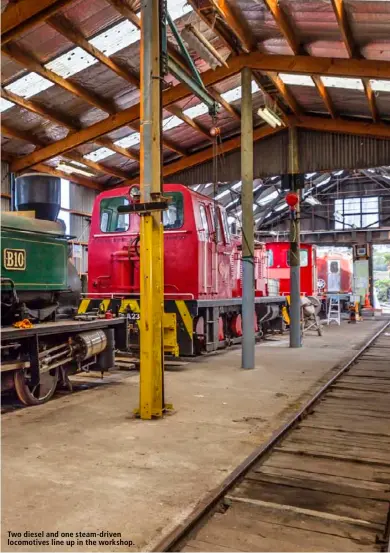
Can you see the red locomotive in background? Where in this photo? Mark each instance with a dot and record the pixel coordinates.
(335, 272)
(202, 268)
(279, 267)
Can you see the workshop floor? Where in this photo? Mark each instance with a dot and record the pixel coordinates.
(82, 463)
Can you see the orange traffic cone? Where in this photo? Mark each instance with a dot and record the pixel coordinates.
(367, 304)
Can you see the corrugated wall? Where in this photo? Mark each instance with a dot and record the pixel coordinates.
(5, 187)
(81, 199)
(318, 151)
(331, 151)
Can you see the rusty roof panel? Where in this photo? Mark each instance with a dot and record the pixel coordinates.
(369, 21)
(378, 50)
(260, 21)
(350, 102)
(308, 98)
(383, 104)
(325, 48)
(312, 19)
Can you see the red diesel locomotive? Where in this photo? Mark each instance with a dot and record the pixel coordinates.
(202, 269)
(279, 267)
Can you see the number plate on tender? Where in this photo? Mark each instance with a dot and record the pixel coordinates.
(14, 259)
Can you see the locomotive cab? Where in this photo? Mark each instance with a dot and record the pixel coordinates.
(197, 246)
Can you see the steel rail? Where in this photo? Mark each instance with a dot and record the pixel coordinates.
(210, 502)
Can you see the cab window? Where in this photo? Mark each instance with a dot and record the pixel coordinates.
(270, 258)
(225, 227)
(110, 219)
(173, 216)
(215, 219)
(204, 223)
(304, 258)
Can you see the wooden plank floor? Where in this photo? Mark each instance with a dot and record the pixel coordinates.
(326, 486)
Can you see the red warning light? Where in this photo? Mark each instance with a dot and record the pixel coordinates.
(292, 199)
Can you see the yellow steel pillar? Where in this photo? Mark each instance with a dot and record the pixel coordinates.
(151, 233)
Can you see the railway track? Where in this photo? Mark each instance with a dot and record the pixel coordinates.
(322, 481)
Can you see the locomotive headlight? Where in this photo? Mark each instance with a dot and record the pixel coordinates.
(135, 193)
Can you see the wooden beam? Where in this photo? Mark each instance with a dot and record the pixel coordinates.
(236, 22)
(208, 153)
(63, 26)
(297, 48)
(175, 110)
(263, 62)
(214, 25)
(29, 62)
(21, 16)
(285, 92)
(83, 181)
(354, 52)
(264, 82)
(228, 107)
(345, 29)
(72, 156)
(64, 121)
(371, 100)
(285, 26)
(376, 130)
(323, 92)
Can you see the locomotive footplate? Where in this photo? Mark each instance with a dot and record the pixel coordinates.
(193, 326)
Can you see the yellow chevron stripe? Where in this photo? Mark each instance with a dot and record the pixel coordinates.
(104, 305)
(83, 307)
(185, 315)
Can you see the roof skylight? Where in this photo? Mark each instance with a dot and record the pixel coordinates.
(5, 104)
(296, 79)
(99, 154)
(342, 82)
(235, 93)
(380, 86)
(128, 141)
(29, 85)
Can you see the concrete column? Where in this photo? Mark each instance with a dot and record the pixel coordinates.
(295, 262)
(248, 288)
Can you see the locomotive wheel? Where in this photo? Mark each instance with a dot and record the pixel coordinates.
(40, 393)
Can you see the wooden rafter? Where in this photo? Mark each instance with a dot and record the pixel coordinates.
(263, 81)
(215, 25)
(376, 130)
(67, 29)
(208, 153)
(72, 156)
(256, 60)
(63, 26)
(21, 16)
(354, 52)
(236, 22)
(83, 181)
(64, 121)
(297, 48)
(284, 91)
(28, 61)
(175, 110)
(228, 107)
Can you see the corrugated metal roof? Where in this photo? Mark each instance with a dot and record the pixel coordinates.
(313, 22)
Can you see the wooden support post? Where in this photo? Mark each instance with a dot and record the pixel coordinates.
(248, 282)
(295, 261)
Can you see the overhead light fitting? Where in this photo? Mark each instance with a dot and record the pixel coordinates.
(270, 117)
(312, 200)
(202, 46)
(69, 168)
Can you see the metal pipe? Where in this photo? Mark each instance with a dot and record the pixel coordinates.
(295, 261)
(248, 281)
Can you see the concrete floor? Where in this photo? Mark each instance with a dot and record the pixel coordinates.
(83, 463)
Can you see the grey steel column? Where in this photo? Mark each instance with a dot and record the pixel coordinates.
(248, 282)
(295, 262)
